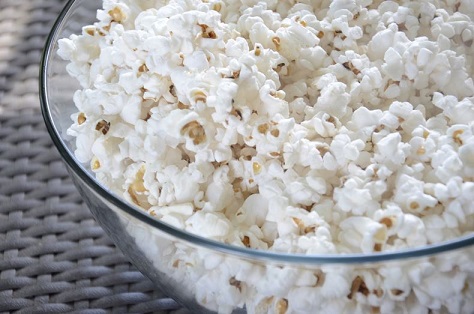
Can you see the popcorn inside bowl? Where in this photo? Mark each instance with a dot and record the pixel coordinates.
(313, 127)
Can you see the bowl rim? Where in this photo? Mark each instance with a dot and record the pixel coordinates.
(243, 252)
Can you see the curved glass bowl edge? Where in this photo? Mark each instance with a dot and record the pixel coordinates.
(246, 253)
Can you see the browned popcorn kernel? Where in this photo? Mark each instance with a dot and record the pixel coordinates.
(195, 131)
(298, 222)
(387, 221)
(148, 116)
(264, 305)
(308, 208)
(426, 133)
(258, 50)
(207, 32)
(173, 90)
(95, 164)
(349, 66)
(103, 126)
(235, 283)
(263, 128)
(396, 292)
(414, 205)
(236, 113)
(257, 168)
(277, 42)
(275, 132)
(143, 68)
(320, 278)
(281, 306)
(199, 96)
(217, 7)
(279, 66)
(358, 285)
(81, 118)
(320, 34)
(212, 35)
(246, 241)
(421, 150)
(236, 184)
(402, 27)
(323, 149)
(378, 247)
(332, 120)
(465, 289)
(457, 136)
(176, 263)
(117, 15)
(181, 58)
(182, 106)
(90, 30)
(138, 184)
(375, 310)
(138, 187)
(390, 82)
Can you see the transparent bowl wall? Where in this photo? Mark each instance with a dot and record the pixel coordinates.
(206, 276)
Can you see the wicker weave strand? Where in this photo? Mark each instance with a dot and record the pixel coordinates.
(54, 258)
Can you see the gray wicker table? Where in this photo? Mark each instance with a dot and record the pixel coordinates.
(54, 258)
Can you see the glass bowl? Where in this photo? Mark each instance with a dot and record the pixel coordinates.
(207, 276)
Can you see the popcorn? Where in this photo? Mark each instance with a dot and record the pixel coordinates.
(336, 127)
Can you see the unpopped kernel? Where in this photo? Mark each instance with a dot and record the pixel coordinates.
(308, 127)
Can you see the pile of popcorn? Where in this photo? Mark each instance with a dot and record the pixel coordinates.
(311, 127)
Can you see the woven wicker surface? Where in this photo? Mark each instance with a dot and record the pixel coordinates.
(53, 256)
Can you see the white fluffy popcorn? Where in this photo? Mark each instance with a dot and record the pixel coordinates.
(294, 127)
